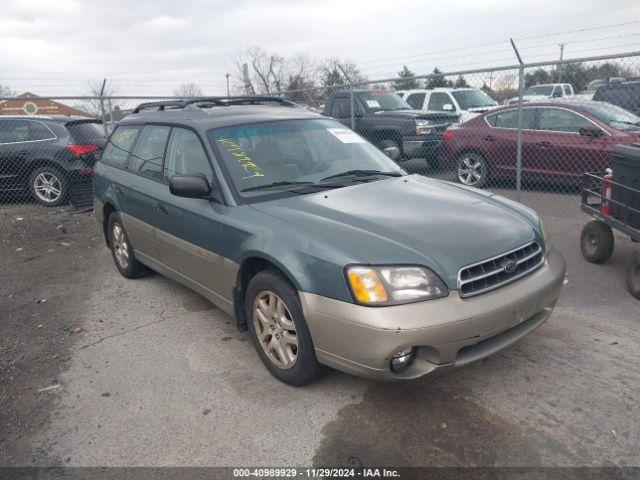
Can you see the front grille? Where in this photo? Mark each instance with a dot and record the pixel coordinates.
(491, 273)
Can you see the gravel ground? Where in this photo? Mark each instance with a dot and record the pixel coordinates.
(146, 372)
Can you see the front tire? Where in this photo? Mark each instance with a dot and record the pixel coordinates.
(49, 186)
(596, 242)
(121, 249)
(389, 142)
(472, 170)
(278, 329)
(632, 275)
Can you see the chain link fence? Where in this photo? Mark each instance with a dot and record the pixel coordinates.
(526, 131)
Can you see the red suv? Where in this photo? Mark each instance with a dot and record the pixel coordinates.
(560, 141)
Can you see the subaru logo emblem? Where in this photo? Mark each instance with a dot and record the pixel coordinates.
(510, 267)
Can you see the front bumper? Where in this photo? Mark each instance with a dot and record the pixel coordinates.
(447, 332)
(420, 147)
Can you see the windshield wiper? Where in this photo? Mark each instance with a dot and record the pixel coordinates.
(362, 173)
(267, 186)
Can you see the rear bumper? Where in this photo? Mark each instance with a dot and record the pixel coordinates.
(451, 331)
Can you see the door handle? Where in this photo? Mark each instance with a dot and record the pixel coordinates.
(161, 208)
(544, 144)
(490, 138)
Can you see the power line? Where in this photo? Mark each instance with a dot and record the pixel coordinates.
(501, 42)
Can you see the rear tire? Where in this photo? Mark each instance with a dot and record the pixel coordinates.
(278, 329)
(597, 242)
(49, 186)
(632, 275)
(122, 250)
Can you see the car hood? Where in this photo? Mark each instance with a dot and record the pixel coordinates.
(442, 117)
(410, 220)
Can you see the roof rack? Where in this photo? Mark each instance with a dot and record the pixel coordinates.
(207, 102)
(161, 105)
(246, 100)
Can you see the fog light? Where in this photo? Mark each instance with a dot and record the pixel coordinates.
(401, 360)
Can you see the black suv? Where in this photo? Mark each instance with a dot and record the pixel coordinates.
(47, 155)
(625, 94)
(386, 120)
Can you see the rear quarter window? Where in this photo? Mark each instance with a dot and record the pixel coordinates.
(119, 145)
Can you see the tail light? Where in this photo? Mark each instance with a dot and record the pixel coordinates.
(448, 135)
(82, 148)
(605, 208)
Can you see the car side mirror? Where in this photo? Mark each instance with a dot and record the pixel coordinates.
(447, 107)
(189, 186)
(392, 152)
(592, 132)
(557, 94)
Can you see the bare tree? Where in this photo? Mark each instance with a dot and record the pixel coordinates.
(332, 72)
(6, 91)
(95, 90)
(188, 90)
(265, 72)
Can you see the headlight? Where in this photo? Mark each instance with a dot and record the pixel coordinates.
(545, 237)
(394, 285)
(423, 127)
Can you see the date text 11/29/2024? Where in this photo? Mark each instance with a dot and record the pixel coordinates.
(316, 473)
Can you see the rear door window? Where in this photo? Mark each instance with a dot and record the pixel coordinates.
(416, 100)
(509, 119)
(119, 145)
(14, 131)
(148, 153)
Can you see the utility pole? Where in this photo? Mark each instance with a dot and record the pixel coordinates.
(227, 75)
(560, 65)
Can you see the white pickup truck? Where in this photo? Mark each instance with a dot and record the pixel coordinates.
(468, 102)
(544, 91)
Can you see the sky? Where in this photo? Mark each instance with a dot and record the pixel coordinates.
(56, 47)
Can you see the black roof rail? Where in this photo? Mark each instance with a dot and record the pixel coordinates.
(161, 105)
(212, 102)
(240, 100)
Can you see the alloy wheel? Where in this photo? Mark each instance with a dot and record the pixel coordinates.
(275, 329)
(120, 246)
(48, 187)
(470, 170)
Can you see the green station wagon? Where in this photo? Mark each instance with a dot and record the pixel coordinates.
(317, 242)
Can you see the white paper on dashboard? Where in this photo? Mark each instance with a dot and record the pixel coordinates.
(346, 136)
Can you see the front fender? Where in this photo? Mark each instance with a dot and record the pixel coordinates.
(311, 264)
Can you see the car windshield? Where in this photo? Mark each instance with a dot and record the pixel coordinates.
(297, 156)
(378, 101)
(539, 90)
(613, 115)
(473, 99)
